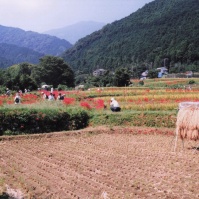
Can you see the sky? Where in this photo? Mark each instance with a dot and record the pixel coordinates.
(44, 15)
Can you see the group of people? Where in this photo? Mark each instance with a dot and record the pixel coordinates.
(51, 96)
(114, 105)
(17, 97)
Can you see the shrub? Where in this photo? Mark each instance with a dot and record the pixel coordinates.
(141, 82)
(62, 87)
(24, 121)
(192, 82)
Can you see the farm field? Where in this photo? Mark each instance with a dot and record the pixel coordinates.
(101, 162)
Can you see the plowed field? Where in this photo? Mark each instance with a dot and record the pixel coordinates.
(106, 163)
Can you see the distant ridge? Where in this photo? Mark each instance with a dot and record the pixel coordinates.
(74, 32)
(42, 43)
(11, 54)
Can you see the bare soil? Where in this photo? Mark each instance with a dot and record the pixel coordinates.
(101, 162)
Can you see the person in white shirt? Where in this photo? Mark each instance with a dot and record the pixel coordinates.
(17, 98)
(114, 105)
(51, 97)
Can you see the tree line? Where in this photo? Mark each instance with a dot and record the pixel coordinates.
(56, 72)
(51, 70)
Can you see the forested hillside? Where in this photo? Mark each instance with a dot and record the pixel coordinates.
(42, 43)
(161, 29)
(11, 54)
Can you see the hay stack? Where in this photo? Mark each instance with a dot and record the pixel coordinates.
(187, 125)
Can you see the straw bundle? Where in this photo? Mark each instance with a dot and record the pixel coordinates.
(187, 125)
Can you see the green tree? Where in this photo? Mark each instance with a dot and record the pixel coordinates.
(122, 77)
(19, 77)
(2, 76)
(53, 71)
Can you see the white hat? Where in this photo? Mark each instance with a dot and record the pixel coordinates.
(112, 99)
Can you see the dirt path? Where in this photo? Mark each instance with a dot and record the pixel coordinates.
(100, 163)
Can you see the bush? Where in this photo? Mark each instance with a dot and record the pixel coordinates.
(192, 82)
(25, 121)
(152, 74)
(141, 82)
(62, 87)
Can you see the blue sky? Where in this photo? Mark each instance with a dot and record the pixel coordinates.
(43, 15)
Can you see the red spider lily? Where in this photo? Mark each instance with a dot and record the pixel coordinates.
(90, 99)
(3, 97)
(1, 103)
(10, 102)
(147, 90)
(68, 101)
(29, 96)
(99, 104)
(85, 105)
(30, 102)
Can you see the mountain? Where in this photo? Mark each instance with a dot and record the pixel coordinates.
(42, 43)
(11, 54)
(76, 31)
(161, 29)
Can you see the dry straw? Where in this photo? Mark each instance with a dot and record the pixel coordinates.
(187, 125)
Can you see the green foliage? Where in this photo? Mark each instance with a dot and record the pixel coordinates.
(144, 38)
(18, 77)
(192, 81)
(53, 70)
(106, 80)
(24, 120)
(11, 54)
(62, 87)
(153, 74)
(122, 77)
(141, 82)
(81, 79)
(150, 119)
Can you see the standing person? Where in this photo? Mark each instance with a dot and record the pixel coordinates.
(114, 105)
(7, 92)
(51, 97)
(17, 98)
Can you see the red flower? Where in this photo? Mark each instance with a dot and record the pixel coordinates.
(68, 101)
(99, 104)
(85, 105)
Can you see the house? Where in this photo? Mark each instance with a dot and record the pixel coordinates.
(99, 72)
(162, 71)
